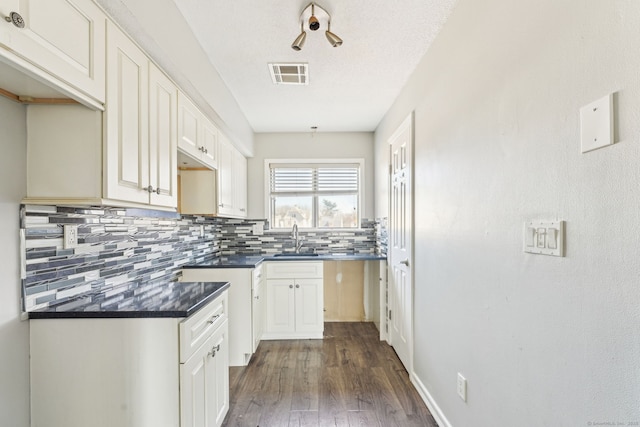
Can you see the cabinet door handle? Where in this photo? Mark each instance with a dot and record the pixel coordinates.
(297, 286)
(405, 262)
(213, 319)
(214, 350)
(290, 286)
(150, 189)
(16, 19)
(257, 296)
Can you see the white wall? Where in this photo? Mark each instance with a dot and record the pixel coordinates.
(541, 340)
(329, 145)
(14, 334)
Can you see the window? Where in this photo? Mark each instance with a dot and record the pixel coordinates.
(314, 195)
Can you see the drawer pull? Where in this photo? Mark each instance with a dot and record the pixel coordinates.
(213, 319)
(214, 350)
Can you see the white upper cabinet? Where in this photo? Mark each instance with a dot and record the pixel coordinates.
(210, 143)
(141, 156)
(163, 138)
(232, 180)
(127, 115)
(197, 136)
(226, 205)
(124, 156)
(63, 38)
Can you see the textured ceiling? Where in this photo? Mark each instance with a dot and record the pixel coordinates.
(350, 87)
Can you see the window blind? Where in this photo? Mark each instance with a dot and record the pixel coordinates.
(296, 180)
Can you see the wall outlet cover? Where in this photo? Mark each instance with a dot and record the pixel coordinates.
(596, 124)
(70, 236)
(462, 387)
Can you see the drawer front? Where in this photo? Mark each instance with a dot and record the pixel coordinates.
(294, 270)
(196, 329)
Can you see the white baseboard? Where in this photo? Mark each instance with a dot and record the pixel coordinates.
(435, 410)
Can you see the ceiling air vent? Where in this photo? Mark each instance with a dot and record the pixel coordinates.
(289, 74)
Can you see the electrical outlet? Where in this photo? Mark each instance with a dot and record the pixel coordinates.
(258, 229)
(70, 236)
(462, 387)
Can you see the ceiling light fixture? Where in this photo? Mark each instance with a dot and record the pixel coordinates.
(314, 25)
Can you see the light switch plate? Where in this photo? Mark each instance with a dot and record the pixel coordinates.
(596, 124)
(544, 237)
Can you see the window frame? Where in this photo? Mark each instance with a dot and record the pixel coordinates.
(315, 163)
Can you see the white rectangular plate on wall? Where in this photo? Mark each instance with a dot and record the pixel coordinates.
(596, 124)
(544, 237)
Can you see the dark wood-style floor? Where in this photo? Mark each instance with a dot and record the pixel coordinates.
(348, 379)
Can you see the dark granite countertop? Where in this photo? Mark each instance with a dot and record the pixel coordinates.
(171, 299)
(252, 261)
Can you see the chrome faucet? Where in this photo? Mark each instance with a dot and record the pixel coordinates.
(296, 238)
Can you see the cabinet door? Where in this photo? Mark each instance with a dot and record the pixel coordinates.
(280, 305)
(218, 378)
(66, 38)
(225, 178)
(258, 311)
(204, 383)
(163, 117)
(309, 303)
(240, 181)
(188, 133)
(210, 143)
(127, 139)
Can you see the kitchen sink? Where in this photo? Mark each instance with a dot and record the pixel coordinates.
(292, 254)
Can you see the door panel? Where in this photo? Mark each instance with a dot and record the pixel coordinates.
(127, 154)
(309, 297)
(401, 243)
(162, 139)
(280, 305)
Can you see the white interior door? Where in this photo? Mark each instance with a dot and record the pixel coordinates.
(401, 243)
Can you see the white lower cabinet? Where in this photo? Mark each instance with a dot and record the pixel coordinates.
(246, 307)
(204, 383)
(258, 305)
(295, 300)
(132, 372)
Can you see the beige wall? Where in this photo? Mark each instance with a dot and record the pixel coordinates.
(541, 340)
(346, 145)
(14, 334)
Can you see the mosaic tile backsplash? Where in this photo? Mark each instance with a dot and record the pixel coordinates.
(125, 250)
(117, 249)
(236, 237)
